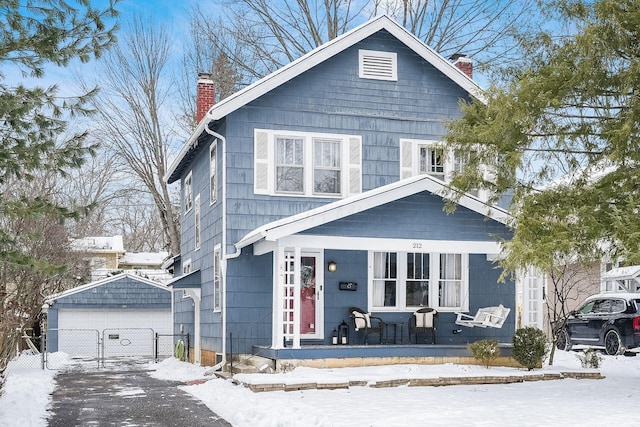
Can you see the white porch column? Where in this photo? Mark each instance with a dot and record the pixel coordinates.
(297, 275)
(277, 325)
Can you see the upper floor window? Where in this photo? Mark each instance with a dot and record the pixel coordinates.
(213, 183)
(400, 281)
(196, 217)
(188, 193)
(309, 164)
(186, 267)
(431, 160)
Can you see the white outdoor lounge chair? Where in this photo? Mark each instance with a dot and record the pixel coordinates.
(492, 317)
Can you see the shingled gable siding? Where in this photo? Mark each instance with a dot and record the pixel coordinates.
(332, 98)
(121, 293)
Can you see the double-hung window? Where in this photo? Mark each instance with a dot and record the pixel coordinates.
(404, 281)
(431, 160)
(197, 228)
(213, 166)
(188, 193)
(326, 166)
(289, 165)
(307, 164)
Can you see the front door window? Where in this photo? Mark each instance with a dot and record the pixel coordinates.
(308, 318)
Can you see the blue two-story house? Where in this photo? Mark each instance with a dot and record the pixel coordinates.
(319, 188)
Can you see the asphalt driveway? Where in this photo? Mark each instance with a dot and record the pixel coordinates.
(122, 396)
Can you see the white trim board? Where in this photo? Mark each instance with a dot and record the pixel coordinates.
(379, 244)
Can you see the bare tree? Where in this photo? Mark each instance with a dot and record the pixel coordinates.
(566, 288)
(135, 120)
(260, 36)
(45, 237)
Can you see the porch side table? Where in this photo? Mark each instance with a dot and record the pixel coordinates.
(393, 328)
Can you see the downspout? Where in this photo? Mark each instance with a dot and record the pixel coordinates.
(225, 256)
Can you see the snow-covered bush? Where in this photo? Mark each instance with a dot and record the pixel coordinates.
(486, 351)
(530, 347)
(590, 358)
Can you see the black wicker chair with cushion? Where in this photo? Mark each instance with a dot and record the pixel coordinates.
(423, 321)
(364, 321)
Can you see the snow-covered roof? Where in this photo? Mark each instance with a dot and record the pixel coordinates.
(315, 57)
(144, 258)
(98, 244)
(361, 202)
(622, 273)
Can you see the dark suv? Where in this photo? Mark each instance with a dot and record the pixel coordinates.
(609, 320)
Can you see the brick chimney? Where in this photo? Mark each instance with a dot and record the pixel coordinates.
(205, 95)
(463, 63)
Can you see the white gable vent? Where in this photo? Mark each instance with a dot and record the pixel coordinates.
(378, 65)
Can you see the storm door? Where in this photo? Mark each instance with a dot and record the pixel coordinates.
(311, 295)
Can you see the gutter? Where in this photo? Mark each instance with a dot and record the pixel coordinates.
(224, 256)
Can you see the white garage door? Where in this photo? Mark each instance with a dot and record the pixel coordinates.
(125, 332)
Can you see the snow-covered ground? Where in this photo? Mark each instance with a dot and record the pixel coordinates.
(610, 401)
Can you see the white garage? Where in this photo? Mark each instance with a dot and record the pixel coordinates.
(117, 316)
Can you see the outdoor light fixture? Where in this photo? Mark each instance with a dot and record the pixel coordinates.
(332, 266)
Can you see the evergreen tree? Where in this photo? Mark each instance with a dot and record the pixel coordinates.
(35, 34)
(570, 109)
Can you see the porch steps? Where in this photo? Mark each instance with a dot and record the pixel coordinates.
(251, 365)
(260, 385)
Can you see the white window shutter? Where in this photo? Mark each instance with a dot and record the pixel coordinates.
(355, 166)
(261, 162)
(406, 159)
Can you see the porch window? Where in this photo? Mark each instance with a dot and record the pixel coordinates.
(188, 193)
(217, 293)
(450, 286)
(417, 280)
(385, 275)
(289, 165)
(404, 281)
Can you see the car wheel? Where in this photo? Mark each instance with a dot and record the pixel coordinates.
(564, 342)
(613, 343)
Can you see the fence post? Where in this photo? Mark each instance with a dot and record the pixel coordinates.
(42, 349)
(156, 347)
(188, 347)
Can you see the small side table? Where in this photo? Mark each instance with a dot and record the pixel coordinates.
(392, 328)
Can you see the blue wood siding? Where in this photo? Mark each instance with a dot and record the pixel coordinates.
(420, 216)
(121, 293)
(332, 98)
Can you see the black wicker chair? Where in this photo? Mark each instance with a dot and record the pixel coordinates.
(423, 321)
(364, 321)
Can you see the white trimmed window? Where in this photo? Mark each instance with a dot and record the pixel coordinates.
(213, 183)
(418, 157)
(186, 267)
(377, 65)
(217, 287)
(307, 164)
(196, 217)
(405, 281)
(188, 193)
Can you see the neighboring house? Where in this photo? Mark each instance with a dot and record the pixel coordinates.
(123, 312)
(106, 256)
(318, 188)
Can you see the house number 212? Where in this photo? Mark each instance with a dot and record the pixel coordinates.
(417, 245)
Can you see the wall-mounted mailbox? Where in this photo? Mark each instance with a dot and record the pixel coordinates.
(348, 286)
